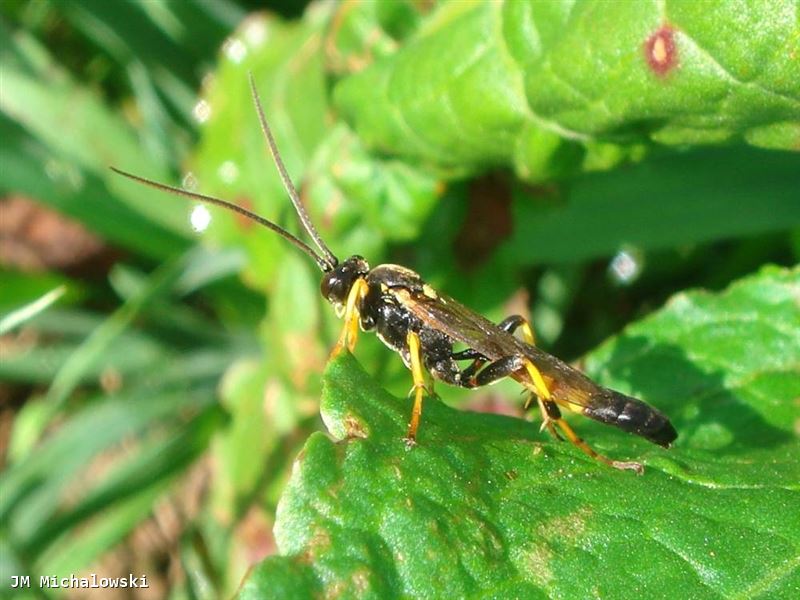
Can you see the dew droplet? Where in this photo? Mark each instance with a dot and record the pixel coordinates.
(255, 32)
(189, 182)
(201, 111)
(228, 172)
(51, 169)
(64, 173)
(234, 49)
(626, 266)
(200, 218)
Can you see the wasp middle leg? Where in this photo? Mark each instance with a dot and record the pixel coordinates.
(509, 325)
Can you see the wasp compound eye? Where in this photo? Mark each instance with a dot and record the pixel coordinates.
(335, 286)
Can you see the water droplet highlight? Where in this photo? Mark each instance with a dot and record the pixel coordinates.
(200, 218)
(189, 182)
(626, 266)
(228, 172)
(201, 111)
(255, 32)
(234, 49)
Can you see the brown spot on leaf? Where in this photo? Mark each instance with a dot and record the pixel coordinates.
(354, 427)
(254, 536)
(319, 542)
(660, 51)
(360, 579)
(566, 527)
(537, 559)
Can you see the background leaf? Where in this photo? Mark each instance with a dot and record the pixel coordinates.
(722, 190)
(580, 85)
(484, 505)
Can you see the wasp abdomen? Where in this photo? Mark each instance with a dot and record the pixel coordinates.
(633, 416)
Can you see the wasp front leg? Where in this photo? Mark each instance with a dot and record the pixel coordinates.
(415, 362)
(349, 334)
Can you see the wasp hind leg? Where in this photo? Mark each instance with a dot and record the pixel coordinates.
(587, 449)
(349, 335)
(552, 418)
(550, 414)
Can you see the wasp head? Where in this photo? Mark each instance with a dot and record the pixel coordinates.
(336, 285)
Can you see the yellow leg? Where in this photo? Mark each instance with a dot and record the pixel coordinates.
(527, 333)
(543, 396)
(540, 391)
(419, 384)
(547, 420)
(349, 334)
(539, 386)
(587, 449)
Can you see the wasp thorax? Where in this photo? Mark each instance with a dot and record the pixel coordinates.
(335, 286)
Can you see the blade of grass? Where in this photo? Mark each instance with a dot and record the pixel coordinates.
(70, 374)
(32, 490)
(24, 313)
(150, 466)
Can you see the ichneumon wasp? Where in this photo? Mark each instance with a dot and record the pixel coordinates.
(423, 326)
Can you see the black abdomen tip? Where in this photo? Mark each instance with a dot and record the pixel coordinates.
(633, 416)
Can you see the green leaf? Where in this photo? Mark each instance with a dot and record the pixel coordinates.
(687, 198)
(550, 88)
(284, 578)
(371, 202)
(361, 32)
(486, 506)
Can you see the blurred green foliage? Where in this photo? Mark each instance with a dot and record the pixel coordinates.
(165, 394)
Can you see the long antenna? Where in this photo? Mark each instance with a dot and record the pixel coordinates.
(287, 182)
(323, 263)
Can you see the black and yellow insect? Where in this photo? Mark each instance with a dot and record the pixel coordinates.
(423, 326)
